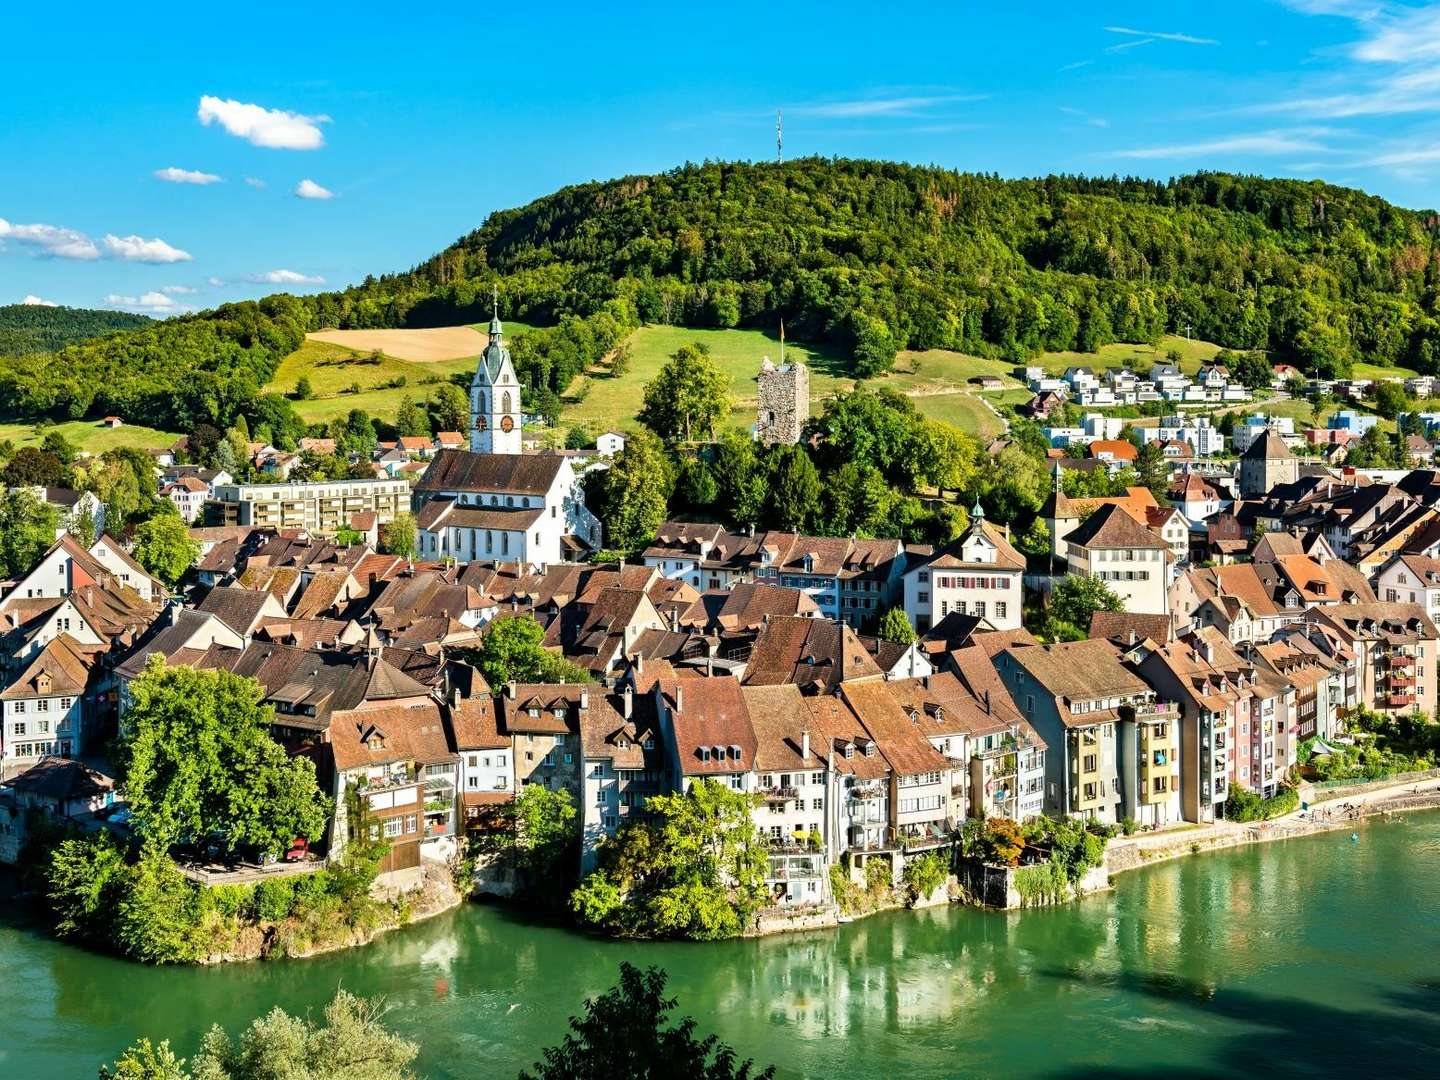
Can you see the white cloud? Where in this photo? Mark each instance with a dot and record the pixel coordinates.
(31, 300)
(1261, 144)
(881, 106)
(51, 240)
(308, 189)
(217, 282)
(1185, 39)
(284, 277)
(138, 249)
(276, 129)
(1093, 121)
(254, 182)
(179, 290)
(151, 302)
(1077, 64)
(173, 175)
(1127, 45)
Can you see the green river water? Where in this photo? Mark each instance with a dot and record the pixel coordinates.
(1311, 957)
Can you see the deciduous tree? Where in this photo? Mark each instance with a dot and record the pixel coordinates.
(688, 397)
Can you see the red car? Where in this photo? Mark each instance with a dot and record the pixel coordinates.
(299, 848)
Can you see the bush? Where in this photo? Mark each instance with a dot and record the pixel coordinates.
(1043, 883)
(924, 874)
(273, 899)
(1248, 806)
(878, 875)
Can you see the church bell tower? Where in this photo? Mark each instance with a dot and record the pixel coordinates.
(495, 395)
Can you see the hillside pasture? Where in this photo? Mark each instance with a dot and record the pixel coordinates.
(90, 436)
(418, 346)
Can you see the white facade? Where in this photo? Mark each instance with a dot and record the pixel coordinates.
(36, 726)
(609, 444)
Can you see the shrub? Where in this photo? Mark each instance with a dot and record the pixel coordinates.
(924, 874)
(878, 874)
(1042, 883)
(274, 898)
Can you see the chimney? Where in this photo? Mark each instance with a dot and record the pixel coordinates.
(805, 745)
(510, 691)
(627, 700)
(987, 701)
(455, 697)
(679, 697)
(584, 700)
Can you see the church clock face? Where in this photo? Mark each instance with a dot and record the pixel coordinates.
(507, 424)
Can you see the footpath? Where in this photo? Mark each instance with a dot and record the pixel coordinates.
(1340, 810)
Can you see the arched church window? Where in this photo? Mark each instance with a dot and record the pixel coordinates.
(480, 401)
(505, 402)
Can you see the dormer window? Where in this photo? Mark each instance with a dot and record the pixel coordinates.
(734, 752)
(809, 563)
(849, 751)
(704, 753)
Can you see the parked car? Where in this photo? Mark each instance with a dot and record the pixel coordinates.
(298, 849)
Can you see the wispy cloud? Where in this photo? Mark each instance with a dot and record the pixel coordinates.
(914, 105)
(173, 175)
(31, 300)
(277, 129)
(138, 249)
(281, 277)
(1261, 144)
(179, 290)
(308, 189)
(253, 182)
(1081, 114)
(153, 303)
(1125, 46)
(1159, 35)
(1077, 64)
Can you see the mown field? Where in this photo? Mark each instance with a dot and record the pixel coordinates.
(90, 436)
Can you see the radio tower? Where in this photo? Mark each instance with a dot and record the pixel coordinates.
(779, 138)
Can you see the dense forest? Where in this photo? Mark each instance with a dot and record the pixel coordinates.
(42, 328)
(871, 255)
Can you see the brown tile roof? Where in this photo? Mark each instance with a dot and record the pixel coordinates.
(1080, 670)
(237, 608)
(901, 742)
(519, 699)
(517, 474)
(837, 729)
(710, 713)
(780, 720)
(1119, 449)
(1112, 526)
(808, 652)
(1129, 627)
(447, 513)
(606, 733)
(62, 669)
(362, 737)
(476, 724)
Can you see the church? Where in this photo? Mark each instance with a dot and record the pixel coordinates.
(494, 502)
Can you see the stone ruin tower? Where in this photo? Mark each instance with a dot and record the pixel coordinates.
(784, 402)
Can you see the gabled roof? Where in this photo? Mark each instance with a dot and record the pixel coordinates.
(1268, 446)
(808, 652)
(61, 779)
(1112, 527)
(384, 736)
(237, 608)
(63, 668)
(1080, 670)
(707, 714)
(463, 470)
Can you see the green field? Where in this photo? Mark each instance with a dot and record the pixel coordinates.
(333, 369)
(89, 436)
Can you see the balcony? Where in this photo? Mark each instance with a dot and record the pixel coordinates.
(1400, 683)
(780, 794)
(1399, 701)
(871, 790)
(1400, 660)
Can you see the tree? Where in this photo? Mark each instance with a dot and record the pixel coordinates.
(59, 447)
(1253, 370)
(634, 492)
(164, 548)
(542, 832)
(895, 626)
(27, 529)
(793, 488)
(199, 760)
(689, 396)
(874, 348)
(303, 390)
(410, 419)
(352, 1044)
(85, 880)
(345, 536)
(397, 537)
(143, 1060)
(511, 651)
(696, 486)
(1074, 601)
(578, 438)
(923, 874)
(693, 868)
(740, 478)
(1391, 399)
(1153, 470)
(450, 408)
(626, 1032)
(35, 468)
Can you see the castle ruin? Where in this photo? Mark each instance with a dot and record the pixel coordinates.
(784, 402)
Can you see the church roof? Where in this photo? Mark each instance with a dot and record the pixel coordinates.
(464, 470)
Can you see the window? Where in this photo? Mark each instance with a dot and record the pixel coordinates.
(817, 804)
(1000, 609)
(1087, 763)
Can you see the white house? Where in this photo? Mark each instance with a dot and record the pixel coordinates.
(1410, 579)
(979, 574)
(1130, 558)
(45, 711)
(609, 444)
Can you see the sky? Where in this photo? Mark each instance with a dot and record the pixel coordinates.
(163, 158)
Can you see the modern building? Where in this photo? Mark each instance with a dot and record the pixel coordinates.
(320, 506)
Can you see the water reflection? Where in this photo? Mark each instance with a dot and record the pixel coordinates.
(1208, 966)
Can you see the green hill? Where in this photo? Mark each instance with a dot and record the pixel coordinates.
(862, 260)
(26, 329)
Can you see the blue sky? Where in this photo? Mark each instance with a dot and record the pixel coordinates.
(153, 158)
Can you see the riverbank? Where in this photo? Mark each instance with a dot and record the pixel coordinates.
(1338, 812)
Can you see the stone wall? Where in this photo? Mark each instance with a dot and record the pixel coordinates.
(784, 405)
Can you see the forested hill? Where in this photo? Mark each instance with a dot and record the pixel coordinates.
(928, 258)
(873, 256)
(40, 328)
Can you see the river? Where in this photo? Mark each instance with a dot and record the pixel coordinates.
(1314, 956)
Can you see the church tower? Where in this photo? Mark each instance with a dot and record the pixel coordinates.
(495, 396)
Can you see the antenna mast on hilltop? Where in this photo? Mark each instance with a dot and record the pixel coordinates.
(779, 138)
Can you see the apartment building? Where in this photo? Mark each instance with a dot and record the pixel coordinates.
(1130, 558)
(319, 506)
